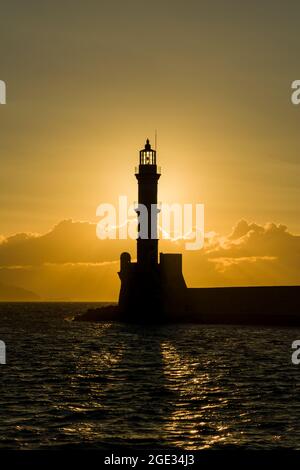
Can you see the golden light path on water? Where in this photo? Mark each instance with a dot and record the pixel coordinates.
(184, 378)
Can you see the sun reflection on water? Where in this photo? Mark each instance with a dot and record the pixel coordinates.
(199, 403)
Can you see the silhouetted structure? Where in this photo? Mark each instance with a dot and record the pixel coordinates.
(154, 291)
(150, 289)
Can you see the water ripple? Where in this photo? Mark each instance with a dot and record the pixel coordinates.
(69, 384)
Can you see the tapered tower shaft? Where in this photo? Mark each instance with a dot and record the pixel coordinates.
(147, 176)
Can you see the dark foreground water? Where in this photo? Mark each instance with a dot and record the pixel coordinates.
(107, 386)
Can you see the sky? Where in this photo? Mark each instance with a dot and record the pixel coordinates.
(88, 81)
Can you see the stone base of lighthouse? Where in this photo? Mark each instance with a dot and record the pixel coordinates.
(154, 294)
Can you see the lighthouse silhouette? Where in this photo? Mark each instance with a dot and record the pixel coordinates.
(153, 289)
(147, 175)
(150, 288)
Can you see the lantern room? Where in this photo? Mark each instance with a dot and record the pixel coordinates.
(147, 155)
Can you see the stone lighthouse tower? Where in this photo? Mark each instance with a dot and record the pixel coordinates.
(140, 293)
(147, 175)
(151, 289)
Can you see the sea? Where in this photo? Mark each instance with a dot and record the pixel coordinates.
(81, 385)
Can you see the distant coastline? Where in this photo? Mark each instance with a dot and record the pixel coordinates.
(10, 293)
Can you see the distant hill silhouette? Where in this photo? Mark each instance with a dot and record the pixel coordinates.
(10, 293)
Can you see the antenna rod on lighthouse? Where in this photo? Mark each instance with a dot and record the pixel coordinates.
(155, 143)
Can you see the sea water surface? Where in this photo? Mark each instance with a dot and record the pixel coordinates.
(109, 385)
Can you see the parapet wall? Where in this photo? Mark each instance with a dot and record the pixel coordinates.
(245, 305)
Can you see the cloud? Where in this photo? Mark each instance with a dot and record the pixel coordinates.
(251, 254)
(70, 262)
(248, 240)
(222, 264)
(67, 242)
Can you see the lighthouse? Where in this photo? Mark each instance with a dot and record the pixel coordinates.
(147, 175)
(152, 287)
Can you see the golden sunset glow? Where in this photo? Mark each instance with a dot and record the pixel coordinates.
(86, 85)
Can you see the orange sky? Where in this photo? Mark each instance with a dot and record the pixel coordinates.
(88, 82)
